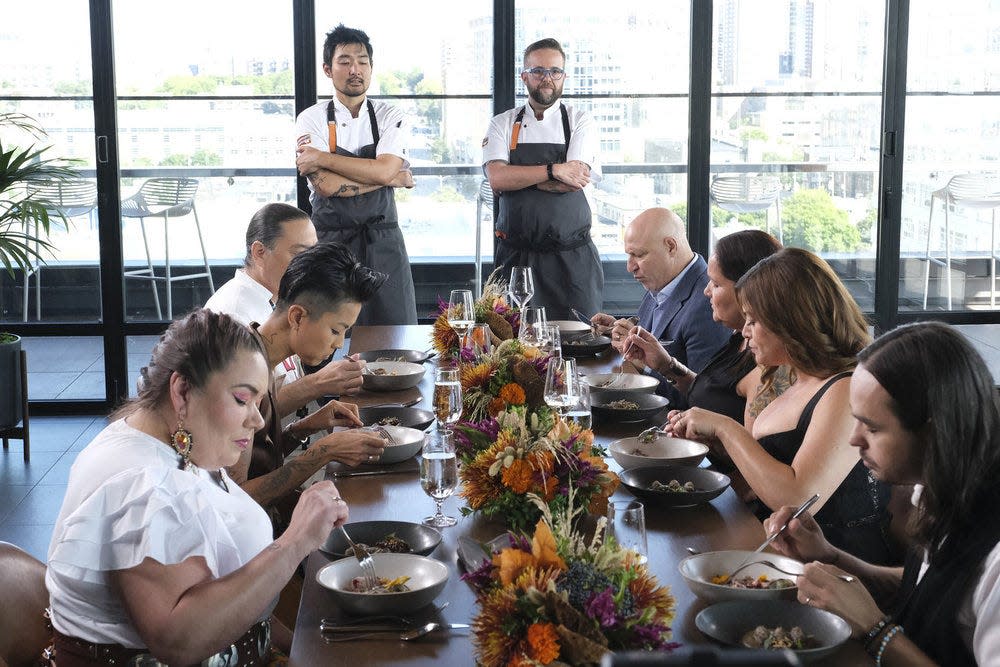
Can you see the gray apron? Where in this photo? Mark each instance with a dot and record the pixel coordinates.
(550, 232)
(369, 226)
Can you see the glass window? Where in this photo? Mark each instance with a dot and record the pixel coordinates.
(951, 173)
(205, 120)
(53, 86)
(796, 102)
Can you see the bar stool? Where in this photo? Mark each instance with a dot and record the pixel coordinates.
(975, 191)
(166, 198)
(63, 200)
(748, 193)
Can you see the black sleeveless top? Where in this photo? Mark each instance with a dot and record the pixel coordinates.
(855, 518)
(714, 388)
(929, 610)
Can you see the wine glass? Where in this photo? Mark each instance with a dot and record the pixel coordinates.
(447, 397)
(532, 321)
(562, 384)
(522, 285)
(439, 475)
(549, 340)
(461, 313)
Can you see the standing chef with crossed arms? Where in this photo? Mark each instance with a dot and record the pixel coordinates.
(539, 158)
(351, 149)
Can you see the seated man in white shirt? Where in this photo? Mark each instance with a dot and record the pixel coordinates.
(277, 233)
(674, 309)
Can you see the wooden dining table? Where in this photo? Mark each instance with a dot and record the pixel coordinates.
(723, 523)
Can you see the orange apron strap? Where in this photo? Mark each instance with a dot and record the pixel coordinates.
(332, 128)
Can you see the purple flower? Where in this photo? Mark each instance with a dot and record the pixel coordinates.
(651, 637)
(601, 608)
(519, 541)
(482, 576)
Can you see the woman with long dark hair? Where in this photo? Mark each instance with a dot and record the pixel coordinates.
(927, 414)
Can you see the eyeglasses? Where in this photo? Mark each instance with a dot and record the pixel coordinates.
(539, 73)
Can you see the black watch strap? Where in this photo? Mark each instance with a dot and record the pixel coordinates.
(548, 170)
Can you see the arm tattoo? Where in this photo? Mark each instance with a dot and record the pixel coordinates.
(345, 188)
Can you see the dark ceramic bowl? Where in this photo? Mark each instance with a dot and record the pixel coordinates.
(708, 484)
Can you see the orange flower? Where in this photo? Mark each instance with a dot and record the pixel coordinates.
(512, 394)
(543, 547)
(475, 375)
(511, 562)
(550, 487)
(518, 476)
(514, 563)
(519, 659)
(496, 406)
(544, 642)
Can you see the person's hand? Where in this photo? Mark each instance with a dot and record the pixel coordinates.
(643, 347)
(341, 377)
(819, 586)
(576, 174)
(620, 329)
(696, 423)
(331, 415)
(319, 510)
(403, 179)
(307, 159)
(803, 540)
(352, 447)
(603, 322)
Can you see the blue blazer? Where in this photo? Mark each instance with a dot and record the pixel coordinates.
(687, 321)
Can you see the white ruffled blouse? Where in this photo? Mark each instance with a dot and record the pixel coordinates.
(127, 500)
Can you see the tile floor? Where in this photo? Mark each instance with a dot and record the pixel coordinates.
(31, 494)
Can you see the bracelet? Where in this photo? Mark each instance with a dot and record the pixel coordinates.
(548, 170)
(885, 642)
(874, 632)
(676, 369)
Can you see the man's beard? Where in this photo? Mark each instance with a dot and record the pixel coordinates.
(545, 99)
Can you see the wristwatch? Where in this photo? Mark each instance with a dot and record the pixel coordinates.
(548, 170)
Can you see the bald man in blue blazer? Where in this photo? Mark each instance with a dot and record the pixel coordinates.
(674, 308)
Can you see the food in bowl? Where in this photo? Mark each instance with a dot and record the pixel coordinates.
(623, 404)
(673, 486)
(397, 585)
(761, 583)
(399, 358)
(389, 421)
(775, 639)
(389, 544)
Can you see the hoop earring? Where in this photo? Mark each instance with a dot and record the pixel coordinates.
(182, 440)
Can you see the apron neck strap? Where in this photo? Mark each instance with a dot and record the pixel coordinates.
(519, 118)
(331, 124)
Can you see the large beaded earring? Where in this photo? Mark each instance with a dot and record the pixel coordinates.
(182, 440)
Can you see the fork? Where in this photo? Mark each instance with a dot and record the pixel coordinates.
(381, 432)
(364, 560)
(766, 563)
(621, 369)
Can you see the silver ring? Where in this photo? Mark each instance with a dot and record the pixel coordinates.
(808, 599)
(371, 457)
(338, 499)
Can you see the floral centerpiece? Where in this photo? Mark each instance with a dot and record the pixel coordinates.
(491, 308)
(511, 375)
(563, 599)
(508, 458)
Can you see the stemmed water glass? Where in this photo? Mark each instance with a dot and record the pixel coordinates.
(447, 397)
(461, 313)
(439, 475)
(562, 384)
(522, 285)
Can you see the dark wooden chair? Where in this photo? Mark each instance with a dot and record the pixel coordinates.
(24, 631)
(20, 431)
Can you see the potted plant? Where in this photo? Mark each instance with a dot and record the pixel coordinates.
(25, 220)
